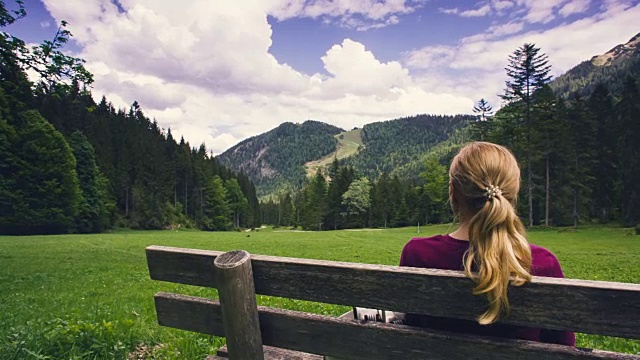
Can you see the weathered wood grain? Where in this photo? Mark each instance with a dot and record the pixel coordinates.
(239, 308)
(351, 339)
(274, 353)
(594, 307)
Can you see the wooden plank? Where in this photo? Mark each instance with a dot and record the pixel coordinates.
(274, 353)
(239, 308)
(352, 339)
(594, 307)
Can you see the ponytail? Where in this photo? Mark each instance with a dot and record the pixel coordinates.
(485, 181)
(499, 253)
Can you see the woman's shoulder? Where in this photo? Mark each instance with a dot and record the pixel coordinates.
(438, 251)
(425, 240)
(544, 262)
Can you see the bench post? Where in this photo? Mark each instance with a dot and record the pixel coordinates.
(238, 303)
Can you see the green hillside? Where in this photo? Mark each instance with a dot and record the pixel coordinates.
(389, 145)
(349, 143)
(275, 160)
(443, 151)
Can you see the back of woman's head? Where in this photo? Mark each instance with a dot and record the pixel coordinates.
(485, 180)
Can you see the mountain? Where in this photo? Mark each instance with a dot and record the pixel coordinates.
(389, 145)
(610, 68)
(275, 160)
(282, 158)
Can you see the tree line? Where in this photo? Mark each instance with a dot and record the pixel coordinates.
(580, 157)
(342, 198)
(69, 164)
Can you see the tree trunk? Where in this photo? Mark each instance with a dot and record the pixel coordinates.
(575, 200)
(546, 208)
(530, 192)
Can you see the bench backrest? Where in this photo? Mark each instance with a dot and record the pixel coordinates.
(593, 307)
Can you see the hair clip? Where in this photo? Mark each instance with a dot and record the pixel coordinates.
(492, 191)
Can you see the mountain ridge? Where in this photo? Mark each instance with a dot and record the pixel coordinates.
(609, 69)
(400, 146)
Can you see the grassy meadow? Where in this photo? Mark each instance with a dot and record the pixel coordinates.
(90, 296)
(349, 142)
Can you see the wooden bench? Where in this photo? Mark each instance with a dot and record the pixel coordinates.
(592, 307)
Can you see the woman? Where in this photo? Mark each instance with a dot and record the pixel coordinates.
(490, 243)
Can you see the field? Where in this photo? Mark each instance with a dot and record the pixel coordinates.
(89, 296)
(349, 143)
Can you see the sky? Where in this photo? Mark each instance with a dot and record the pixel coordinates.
(221, 71)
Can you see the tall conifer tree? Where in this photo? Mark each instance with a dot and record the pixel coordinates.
(528, 70)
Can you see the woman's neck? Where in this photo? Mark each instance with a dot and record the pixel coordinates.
(462, 232)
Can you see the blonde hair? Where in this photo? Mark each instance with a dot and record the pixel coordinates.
(485, 180)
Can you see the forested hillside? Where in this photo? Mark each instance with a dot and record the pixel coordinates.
(579, 159)
(394, 143)
(68, 164)
(444, 151)
(275, 160)
(609, 69)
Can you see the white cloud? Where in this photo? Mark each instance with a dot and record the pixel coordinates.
(484, 10)
(361, 15)
(574, 7)
(356, 71)
(540, 11)
(206, 72)
(531, 11)
(501, 4)
(449, 11)
(474, 67)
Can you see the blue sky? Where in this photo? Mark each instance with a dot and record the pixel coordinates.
(220, 71)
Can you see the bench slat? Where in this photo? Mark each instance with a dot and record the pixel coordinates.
(594, 307)
(273, 353)
(355, 340)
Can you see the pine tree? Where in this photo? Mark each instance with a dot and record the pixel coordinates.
(340, 180)
(91, 209)
(44, 185)
(482, 126)
(543, 114)
(484, 109)
(528, 70)
(237, 201)
(436, 190)
(357, 201)
(628, 114)
(583, 139)
(216, 214)
(600, 104)
(286, 210)
(315, 204)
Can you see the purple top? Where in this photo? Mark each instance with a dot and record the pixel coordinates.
(447, 253)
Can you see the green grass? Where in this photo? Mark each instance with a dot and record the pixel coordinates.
(90, 296)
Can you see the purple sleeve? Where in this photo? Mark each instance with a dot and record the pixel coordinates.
(553, 269)
(406, 255)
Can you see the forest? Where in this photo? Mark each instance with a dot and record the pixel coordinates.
(71, 165)
(579, 159)
(275, 160)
